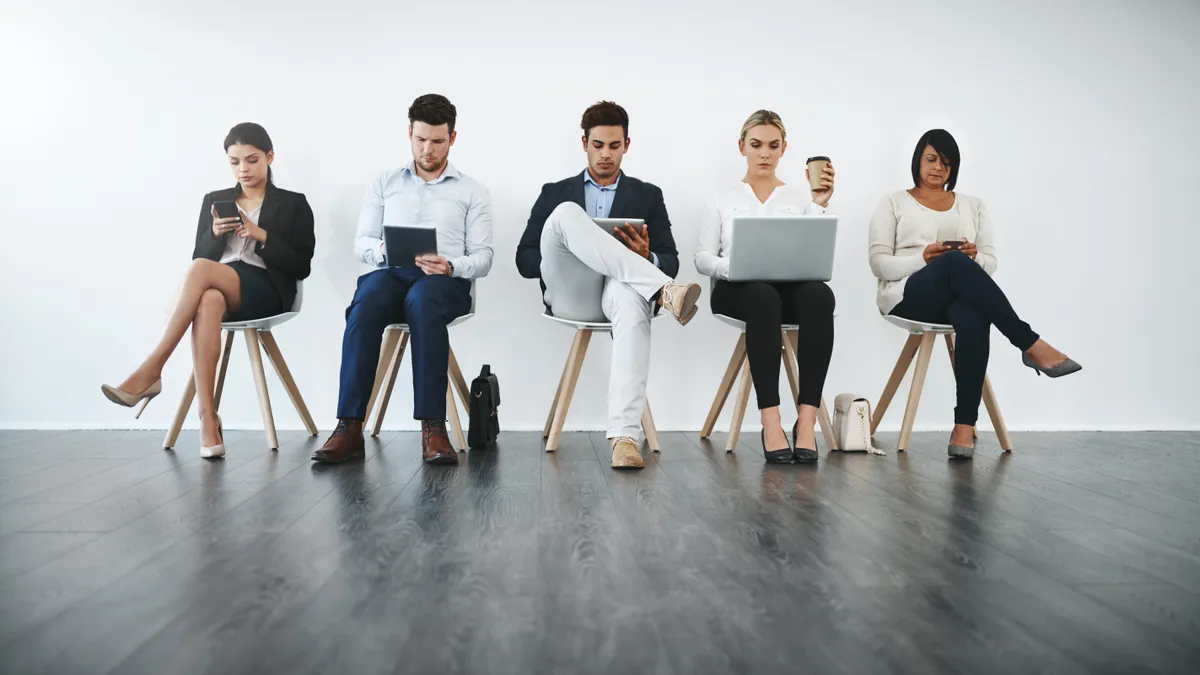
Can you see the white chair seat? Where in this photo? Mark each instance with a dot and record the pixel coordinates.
(595, 326)
(918, 327)
(452, 324)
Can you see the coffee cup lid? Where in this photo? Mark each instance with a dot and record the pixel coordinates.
(821, 158)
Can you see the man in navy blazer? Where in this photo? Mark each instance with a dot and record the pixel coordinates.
(622, 276)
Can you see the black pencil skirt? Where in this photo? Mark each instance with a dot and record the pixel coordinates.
(259, 297)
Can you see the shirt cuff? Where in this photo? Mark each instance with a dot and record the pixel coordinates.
(654, 259)
(816, 209)
(460, 267)
(381, 254)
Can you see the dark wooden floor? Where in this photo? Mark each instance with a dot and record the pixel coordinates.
(1080, 553)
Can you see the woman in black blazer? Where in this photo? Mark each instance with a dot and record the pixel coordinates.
(243, 268)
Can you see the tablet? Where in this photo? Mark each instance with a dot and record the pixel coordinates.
(403, 244)
(607, 224)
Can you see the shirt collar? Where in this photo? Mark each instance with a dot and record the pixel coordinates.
(587, 178)
(450, 172)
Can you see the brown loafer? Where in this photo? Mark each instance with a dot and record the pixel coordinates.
(625, 454)
(345, 444)
(435, 444)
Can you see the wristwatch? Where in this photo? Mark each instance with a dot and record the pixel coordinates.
(451, 266)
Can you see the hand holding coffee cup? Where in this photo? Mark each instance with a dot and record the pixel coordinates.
(820, 176)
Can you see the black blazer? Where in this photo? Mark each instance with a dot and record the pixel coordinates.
(634, 199)
(288, 252)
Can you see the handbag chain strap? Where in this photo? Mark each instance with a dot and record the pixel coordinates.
(866, 434)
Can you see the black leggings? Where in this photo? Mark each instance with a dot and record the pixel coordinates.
(764, 307)
(954, 289)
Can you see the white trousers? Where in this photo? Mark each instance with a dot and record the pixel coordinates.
(591, 276)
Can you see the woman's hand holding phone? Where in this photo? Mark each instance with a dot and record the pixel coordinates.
(223, 226)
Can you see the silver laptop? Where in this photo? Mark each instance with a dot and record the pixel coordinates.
(782, 248)
(607, 224)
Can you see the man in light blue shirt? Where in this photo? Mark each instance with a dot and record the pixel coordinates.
(427, 292)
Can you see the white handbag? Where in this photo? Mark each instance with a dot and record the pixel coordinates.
(852, 424)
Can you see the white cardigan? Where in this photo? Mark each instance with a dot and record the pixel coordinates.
(901, 229)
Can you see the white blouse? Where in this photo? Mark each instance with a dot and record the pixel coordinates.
(716, 226)
(237, 248)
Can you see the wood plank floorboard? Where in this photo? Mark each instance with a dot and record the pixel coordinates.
(1077, 553)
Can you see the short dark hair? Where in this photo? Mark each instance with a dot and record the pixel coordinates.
(249, 133)
(434, 110)
(605, 114)
(944, 145)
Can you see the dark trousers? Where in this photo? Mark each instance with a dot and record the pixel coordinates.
(401, 295)
(954, 289)
(764, 307)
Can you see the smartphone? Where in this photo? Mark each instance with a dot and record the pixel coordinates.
(953, 243)
(227, 209)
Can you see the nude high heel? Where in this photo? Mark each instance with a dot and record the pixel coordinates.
(124, 398)
(218, 450)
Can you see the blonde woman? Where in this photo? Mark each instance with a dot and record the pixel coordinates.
(764, 307)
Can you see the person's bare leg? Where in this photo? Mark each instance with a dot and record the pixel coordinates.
(202, 276)
(776, 437)
(805, 438)
(1044, 355)
(206, 350)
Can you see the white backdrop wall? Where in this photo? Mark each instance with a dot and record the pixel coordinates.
(1077, 122)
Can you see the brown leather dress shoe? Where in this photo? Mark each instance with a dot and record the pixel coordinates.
(435, 444)
(345, 444)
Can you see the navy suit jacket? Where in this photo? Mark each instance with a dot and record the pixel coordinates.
(634, 199)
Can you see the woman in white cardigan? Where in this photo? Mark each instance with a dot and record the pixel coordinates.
(932, 251)
(765, 306)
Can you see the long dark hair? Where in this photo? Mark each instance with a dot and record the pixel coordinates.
(249, 133)
(946, 148)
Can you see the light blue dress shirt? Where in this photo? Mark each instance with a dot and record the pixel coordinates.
(598, 201)
(457, 206)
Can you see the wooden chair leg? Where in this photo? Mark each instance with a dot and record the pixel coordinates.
(739, 409)
(558, 392)
(650, 429)
(791, 364)
(185, 404)
(727, 381)
(260, 383)
(452, 416)
(583, 336)
(993, 408)
(285, 376)
(389, 381)
(221, 369)
(826, 425)
(460, 384)
(390, 338)
(889, 391)
(914, 392)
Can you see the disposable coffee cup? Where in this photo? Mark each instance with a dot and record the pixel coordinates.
(816, 167)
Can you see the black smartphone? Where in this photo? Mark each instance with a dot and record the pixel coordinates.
(953, 243)
(227, 209)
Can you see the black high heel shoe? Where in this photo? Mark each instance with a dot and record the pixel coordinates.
(801, 455)
(775, 456)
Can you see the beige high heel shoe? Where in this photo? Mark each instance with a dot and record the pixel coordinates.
(218, 450)
(128, 400)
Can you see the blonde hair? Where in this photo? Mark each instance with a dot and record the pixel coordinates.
(762, 117)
